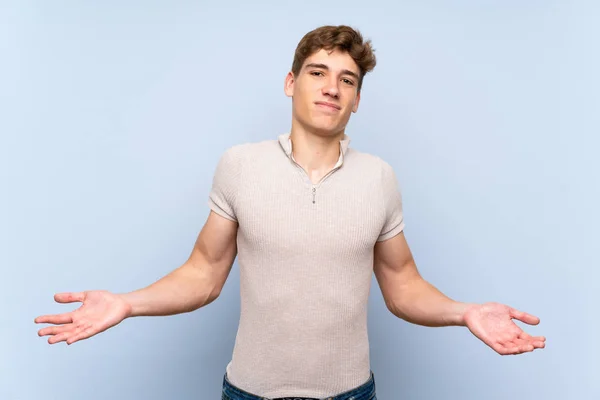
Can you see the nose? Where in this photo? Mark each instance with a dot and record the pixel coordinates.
(331, 88)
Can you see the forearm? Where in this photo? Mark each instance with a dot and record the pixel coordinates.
(185, 289)
(420, 303)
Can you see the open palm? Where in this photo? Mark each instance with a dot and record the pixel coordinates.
(493, 324)
(100, 310)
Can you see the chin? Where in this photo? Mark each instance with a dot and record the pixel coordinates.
(325, 127)
(326, 130)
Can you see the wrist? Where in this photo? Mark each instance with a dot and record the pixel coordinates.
(128, 301)
(459, 312)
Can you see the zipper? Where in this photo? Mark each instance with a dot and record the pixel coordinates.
(315, 186)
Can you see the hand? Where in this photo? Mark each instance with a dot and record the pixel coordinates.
(100, 310)
(493, 324)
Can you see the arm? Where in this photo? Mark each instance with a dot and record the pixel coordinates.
(198, 281)
(194, 284)
(407, 295)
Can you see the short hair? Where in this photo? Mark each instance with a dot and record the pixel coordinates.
(341, 37)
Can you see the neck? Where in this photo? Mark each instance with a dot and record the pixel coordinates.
(314, 152)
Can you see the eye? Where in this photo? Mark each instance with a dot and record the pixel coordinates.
(316, 73)
(348, 81)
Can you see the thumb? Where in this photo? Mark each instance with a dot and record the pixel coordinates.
(524, 317)
(69, 297)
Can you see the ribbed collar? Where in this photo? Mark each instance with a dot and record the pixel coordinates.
(286, 145)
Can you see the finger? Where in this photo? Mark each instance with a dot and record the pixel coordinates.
(513, 350)
(539, 344)
(55, 330)
(506, 338)
(517, 342)
(62, 336)
(524, 317)
(525, 348)
(83, 334)
(518, 346)
(65, 318)
(525, 335)
(536, 342)
(500, 349)
(69, 297)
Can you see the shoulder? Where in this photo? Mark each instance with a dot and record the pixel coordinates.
(374, 169)
(249, 150)
(369, 161)
(241, 155)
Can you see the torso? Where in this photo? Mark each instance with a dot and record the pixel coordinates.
(305, 253)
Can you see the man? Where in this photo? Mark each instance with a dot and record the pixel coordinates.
(310, 219)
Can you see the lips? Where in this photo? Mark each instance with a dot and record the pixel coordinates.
(326, 104)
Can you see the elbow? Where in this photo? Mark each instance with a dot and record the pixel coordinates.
(205, 287)
(213, 295)
(214, 291)
(400, 307)
(202, 299)
(394, 308)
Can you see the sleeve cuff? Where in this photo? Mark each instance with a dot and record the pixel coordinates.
(390, 234)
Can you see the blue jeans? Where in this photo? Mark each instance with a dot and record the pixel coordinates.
(366, 391)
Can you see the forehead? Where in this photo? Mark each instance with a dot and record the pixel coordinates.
(334, 59)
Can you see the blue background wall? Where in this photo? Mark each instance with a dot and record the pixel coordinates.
(114, 114)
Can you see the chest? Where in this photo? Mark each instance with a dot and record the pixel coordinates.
(340, 217)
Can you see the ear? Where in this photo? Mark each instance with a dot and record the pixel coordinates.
(289, 84)
(356, 101)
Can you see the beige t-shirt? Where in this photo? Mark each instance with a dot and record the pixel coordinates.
(305, 254)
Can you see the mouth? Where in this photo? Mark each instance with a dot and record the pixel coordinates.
(327, 105)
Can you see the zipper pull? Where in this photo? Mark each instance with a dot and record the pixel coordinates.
(314, 194)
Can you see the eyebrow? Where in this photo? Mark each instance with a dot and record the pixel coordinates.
(325, 67)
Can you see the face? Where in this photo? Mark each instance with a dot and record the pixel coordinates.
(325, 92)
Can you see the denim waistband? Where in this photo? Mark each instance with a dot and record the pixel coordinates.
(366, 391)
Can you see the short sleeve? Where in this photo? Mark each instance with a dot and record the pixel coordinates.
(392, 200)
(225, 184)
